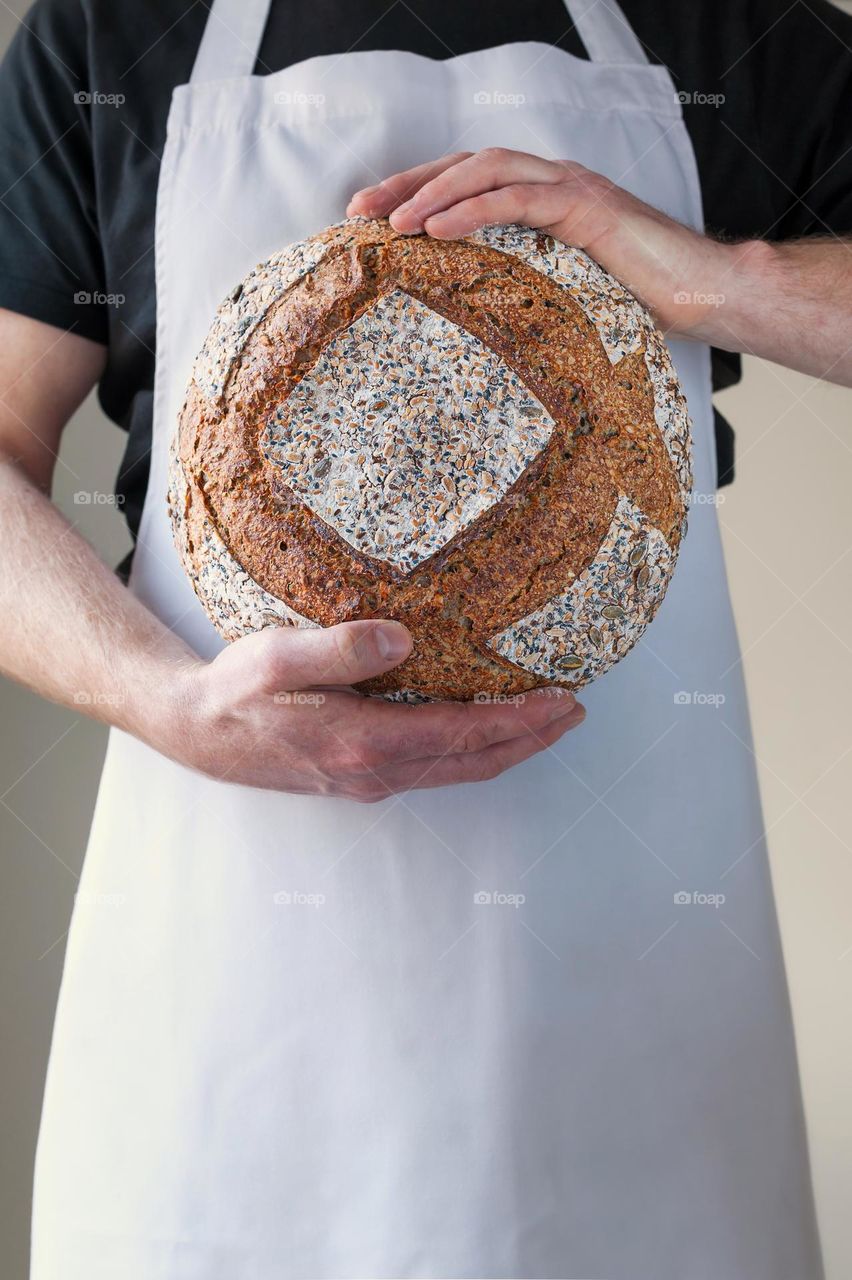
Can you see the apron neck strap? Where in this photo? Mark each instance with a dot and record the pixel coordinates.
(234, 30)
(605, 32)
(231, 40)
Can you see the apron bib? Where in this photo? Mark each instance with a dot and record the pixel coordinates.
(506, 1030)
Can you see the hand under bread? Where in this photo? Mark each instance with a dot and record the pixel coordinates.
(274, 710)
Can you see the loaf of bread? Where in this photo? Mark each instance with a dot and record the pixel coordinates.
(484, 439)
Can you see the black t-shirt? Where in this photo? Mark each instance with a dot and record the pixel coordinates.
(79, 169)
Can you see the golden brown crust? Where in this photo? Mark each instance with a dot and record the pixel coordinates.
(507, 562)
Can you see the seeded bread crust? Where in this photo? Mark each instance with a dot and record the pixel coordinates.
(615, 467)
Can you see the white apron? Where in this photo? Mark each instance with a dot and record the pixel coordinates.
(469, 1032)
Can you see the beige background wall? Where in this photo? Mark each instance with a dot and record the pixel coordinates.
(788, 537)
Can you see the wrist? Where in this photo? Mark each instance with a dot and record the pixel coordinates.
(744, 279)
(163, 705)
(180, 722)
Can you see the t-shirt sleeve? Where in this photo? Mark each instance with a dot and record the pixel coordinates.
(803, 97)
(51, 264)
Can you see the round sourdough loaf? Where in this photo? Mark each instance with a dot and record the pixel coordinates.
(482, 438)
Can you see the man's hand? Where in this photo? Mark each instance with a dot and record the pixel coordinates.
(791, 303)
(273, 710)
(657, 258)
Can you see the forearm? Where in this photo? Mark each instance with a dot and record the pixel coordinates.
(71, 631)
(790, 303)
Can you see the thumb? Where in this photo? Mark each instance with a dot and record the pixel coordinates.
(301, 657)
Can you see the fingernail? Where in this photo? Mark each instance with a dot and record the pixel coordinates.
(393, 641)
(563, 703)
(404, 207)
(365, 191)
(414, 229)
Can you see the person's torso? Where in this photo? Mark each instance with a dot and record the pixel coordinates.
(145, 59)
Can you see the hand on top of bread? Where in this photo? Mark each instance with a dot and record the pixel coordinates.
(674, 270)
